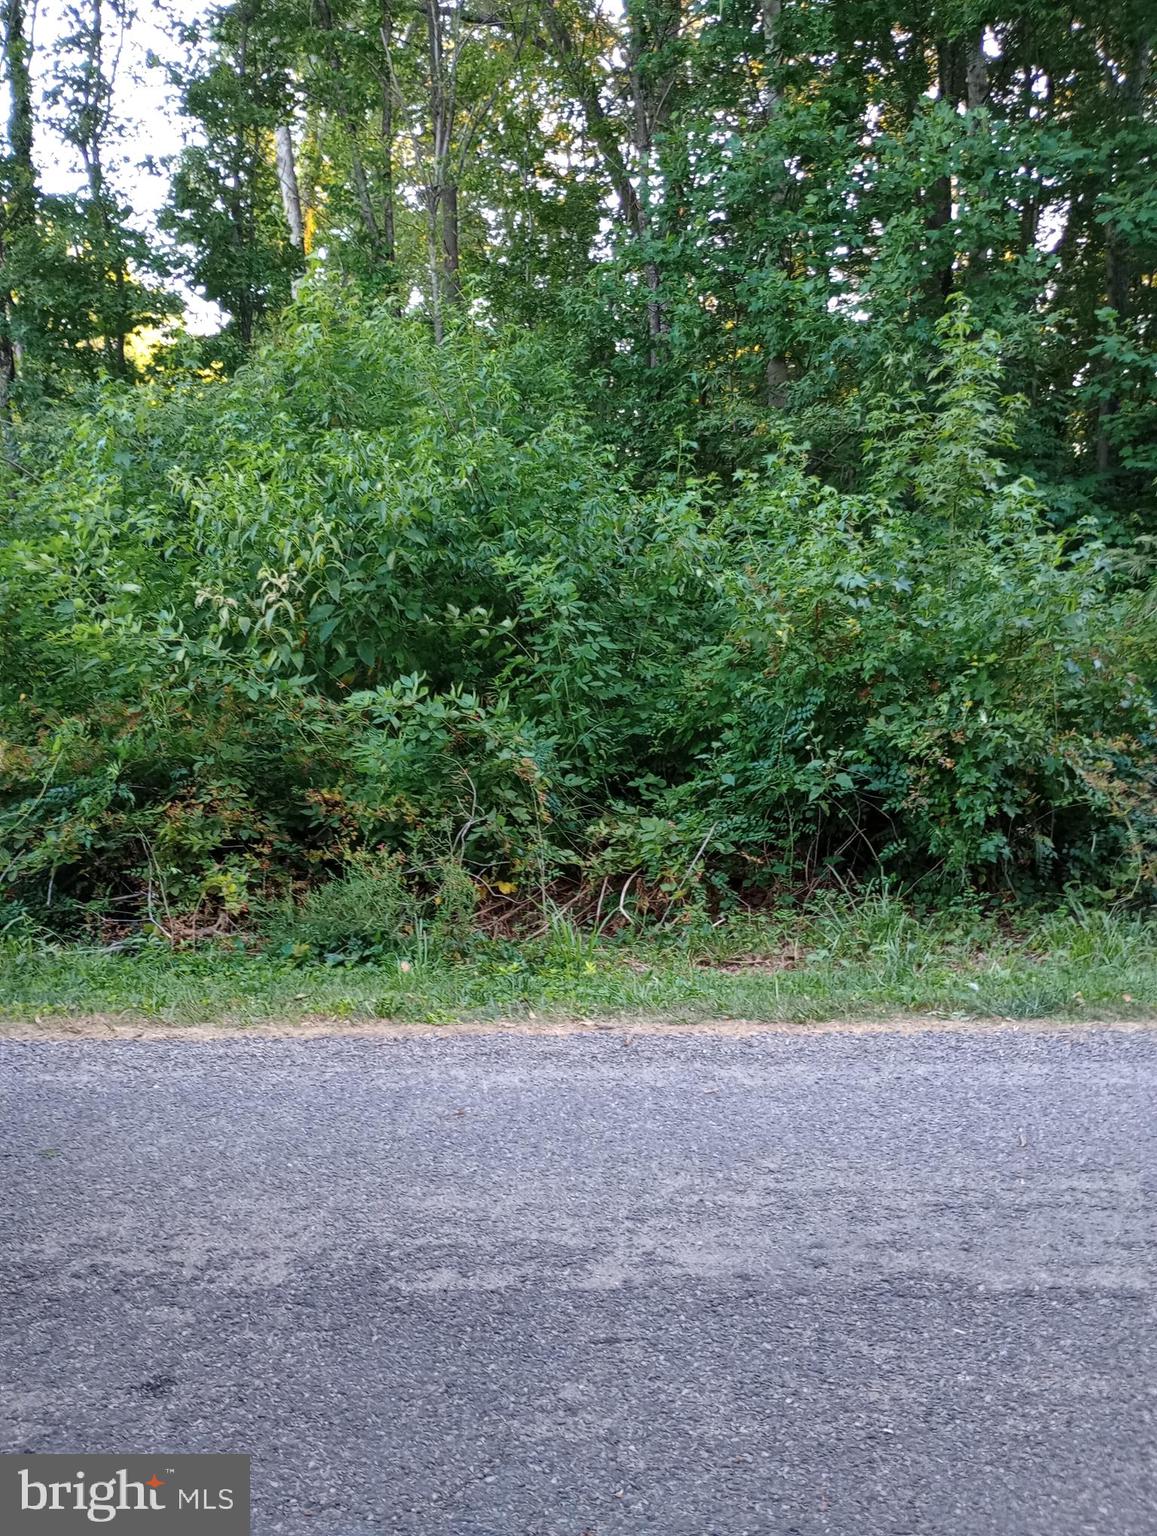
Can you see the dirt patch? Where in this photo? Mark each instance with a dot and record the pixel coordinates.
(94, 1027)
(734, 965)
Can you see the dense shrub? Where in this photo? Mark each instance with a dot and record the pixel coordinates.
(372, 594)
(928, 674)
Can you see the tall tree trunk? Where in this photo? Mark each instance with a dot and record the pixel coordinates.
(241, 191)
(92, 125)
(287, 181)
(644, 149)
(952, 83)
(452, 275)
(386, 140)
(962, 78)
(18, 214)
(769, 16)
(1119, 275)
(775, 375)
(976, 75)
(20, 118)
(586, 88)
(1117, 289)
(431, 197)
(348, 120)
(120, 361)
(362, 191)
(1030, 204)
(652, 26)
(441, 195)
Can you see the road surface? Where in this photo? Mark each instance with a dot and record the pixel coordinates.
(595, 1285)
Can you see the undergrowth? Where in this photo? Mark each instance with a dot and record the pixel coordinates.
(351, 649)
(832, 959)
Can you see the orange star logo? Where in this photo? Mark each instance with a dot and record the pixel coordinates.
(155, 1482)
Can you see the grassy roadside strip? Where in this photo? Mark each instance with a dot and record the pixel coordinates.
(870, 959)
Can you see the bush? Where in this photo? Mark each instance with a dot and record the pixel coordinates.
(374, 594)
(365, 913)
(929, 675)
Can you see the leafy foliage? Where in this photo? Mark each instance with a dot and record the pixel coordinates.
(378, 599)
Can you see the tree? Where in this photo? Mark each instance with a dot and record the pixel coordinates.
(17, 187)
(225, 210)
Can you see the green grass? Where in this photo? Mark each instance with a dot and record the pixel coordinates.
(871, 958)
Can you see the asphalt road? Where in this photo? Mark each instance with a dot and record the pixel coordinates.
(851, 1284)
